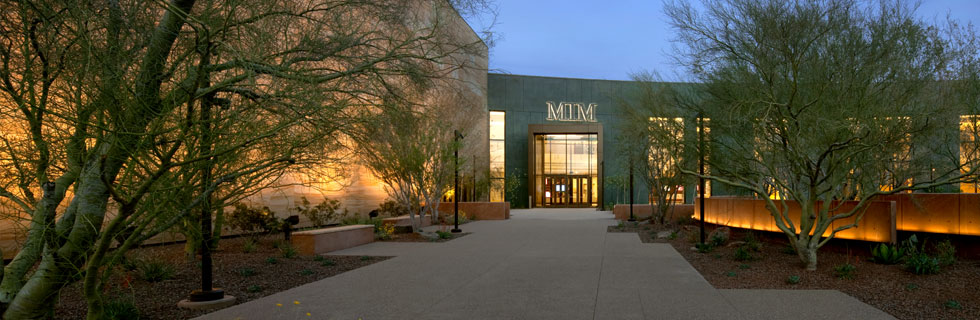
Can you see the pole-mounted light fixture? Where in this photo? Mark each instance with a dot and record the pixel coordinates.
(456, 137)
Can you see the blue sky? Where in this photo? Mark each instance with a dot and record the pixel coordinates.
(610, 39)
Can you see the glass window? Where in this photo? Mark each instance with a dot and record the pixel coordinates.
(497, 155)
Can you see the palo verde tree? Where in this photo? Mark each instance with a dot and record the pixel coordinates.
(814, 102)
(409, 147)
(124, 118)
(654, 123)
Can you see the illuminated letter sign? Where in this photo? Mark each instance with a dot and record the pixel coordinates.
(571, 111)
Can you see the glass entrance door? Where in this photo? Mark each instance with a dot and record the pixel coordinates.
(565, 170)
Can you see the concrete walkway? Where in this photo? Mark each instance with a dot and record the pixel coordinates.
(540, 264)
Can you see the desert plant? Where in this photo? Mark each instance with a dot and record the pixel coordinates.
(319, 258)
(365, 258)
(717, 240)
(288, 251)
(885, 254)
(845, 271)
(911, 286)
(946, 253)
(744, 266)
(742, 254)
(156, 271)
(254, 288)
(119, 309)
(789, 249)
(271, 260)
(953, 304)
(250, 245)
(704, 247)
(444, 234)
(254, 221)
(306, 272)
(793, 280)
(246, 272)
(921, 263)
(385, 231)
(731, 274)
(673, 235)
(391, 208)
(328, 263)
(752, 242)
(320, 214)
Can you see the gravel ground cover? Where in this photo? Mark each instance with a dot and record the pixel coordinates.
(951, 294)
(246, 275)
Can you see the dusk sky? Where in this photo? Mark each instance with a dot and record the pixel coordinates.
(610, 39)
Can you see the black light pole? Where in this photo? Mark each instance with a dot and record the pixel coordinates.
(456, 136)
(632, 218)
(207, 292)
(701, 169)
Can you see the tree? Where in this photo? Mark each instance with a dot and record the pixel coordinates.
(655, 125)
(122, 119)
(816, 102)
(410, 148)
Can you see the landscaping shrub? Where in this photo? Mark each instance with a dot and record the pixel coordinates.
(118, 309)
(251, 220)
(156, 271)
(246, 272)
(921, 263)
(250, 245)
(752, 242)
(320, 214)
(385, 231)
(731, 273)
(272, 260)
(328, 263)
(444, 234)
(306, 272)
(392, 208)
(789, 249)
(704, 247)
(885, 254)
(254, 288)
(744, 266)
(319, 258)
(793, 280)
(845, 271)
(742, 254)
(718, 240)
(946, 253)
(288, 251)
(673, 235)
(953, 304)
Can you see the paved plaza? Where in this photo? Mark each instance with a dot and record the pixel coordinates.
(540, 264)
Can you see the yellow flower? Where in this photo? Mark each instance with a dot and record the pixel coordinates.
(307, 314)
(279, 304)
(295, 302)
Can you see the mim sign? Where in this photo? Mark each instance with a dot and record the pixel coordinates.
(571, 111)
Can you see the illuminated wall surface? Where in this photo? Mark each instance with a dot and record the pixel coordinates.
(948, 213)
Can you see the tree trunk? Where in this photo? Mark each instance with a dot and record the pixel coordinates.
(807, 254)
(41, 225)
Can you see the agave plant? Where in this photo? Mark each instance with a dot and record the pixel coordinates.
(885, 254)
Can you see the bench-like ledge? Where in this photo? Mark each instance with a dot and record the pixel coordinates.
(332, 239)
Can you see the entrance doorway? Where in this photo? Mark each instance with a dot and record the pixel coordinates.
(566, 170)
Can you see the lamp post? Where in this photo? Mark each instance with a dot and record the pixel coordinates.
(456, 137)
(207, 292)
(701, 169)
(632, 218)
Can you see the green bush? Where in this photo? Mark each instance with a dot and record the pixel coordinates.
(744, 266)
(946, 253)
(328, 263)
(793, 280)
(845, 271)
(320, 214)
(953, 304)
(704, 247)
(271, 260)
(885, 254)
(288, 251)
(921, 263)
(254, 288)
(251, 220)
(717, 240)
(319, 258)
(365, 258)
(117, 309)
(752, 242)
(250, 245)
(731, 274)
(246, 272)
(444, 234)
(306, 272)
(742, 254)
(673, 235)
(156, 271)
